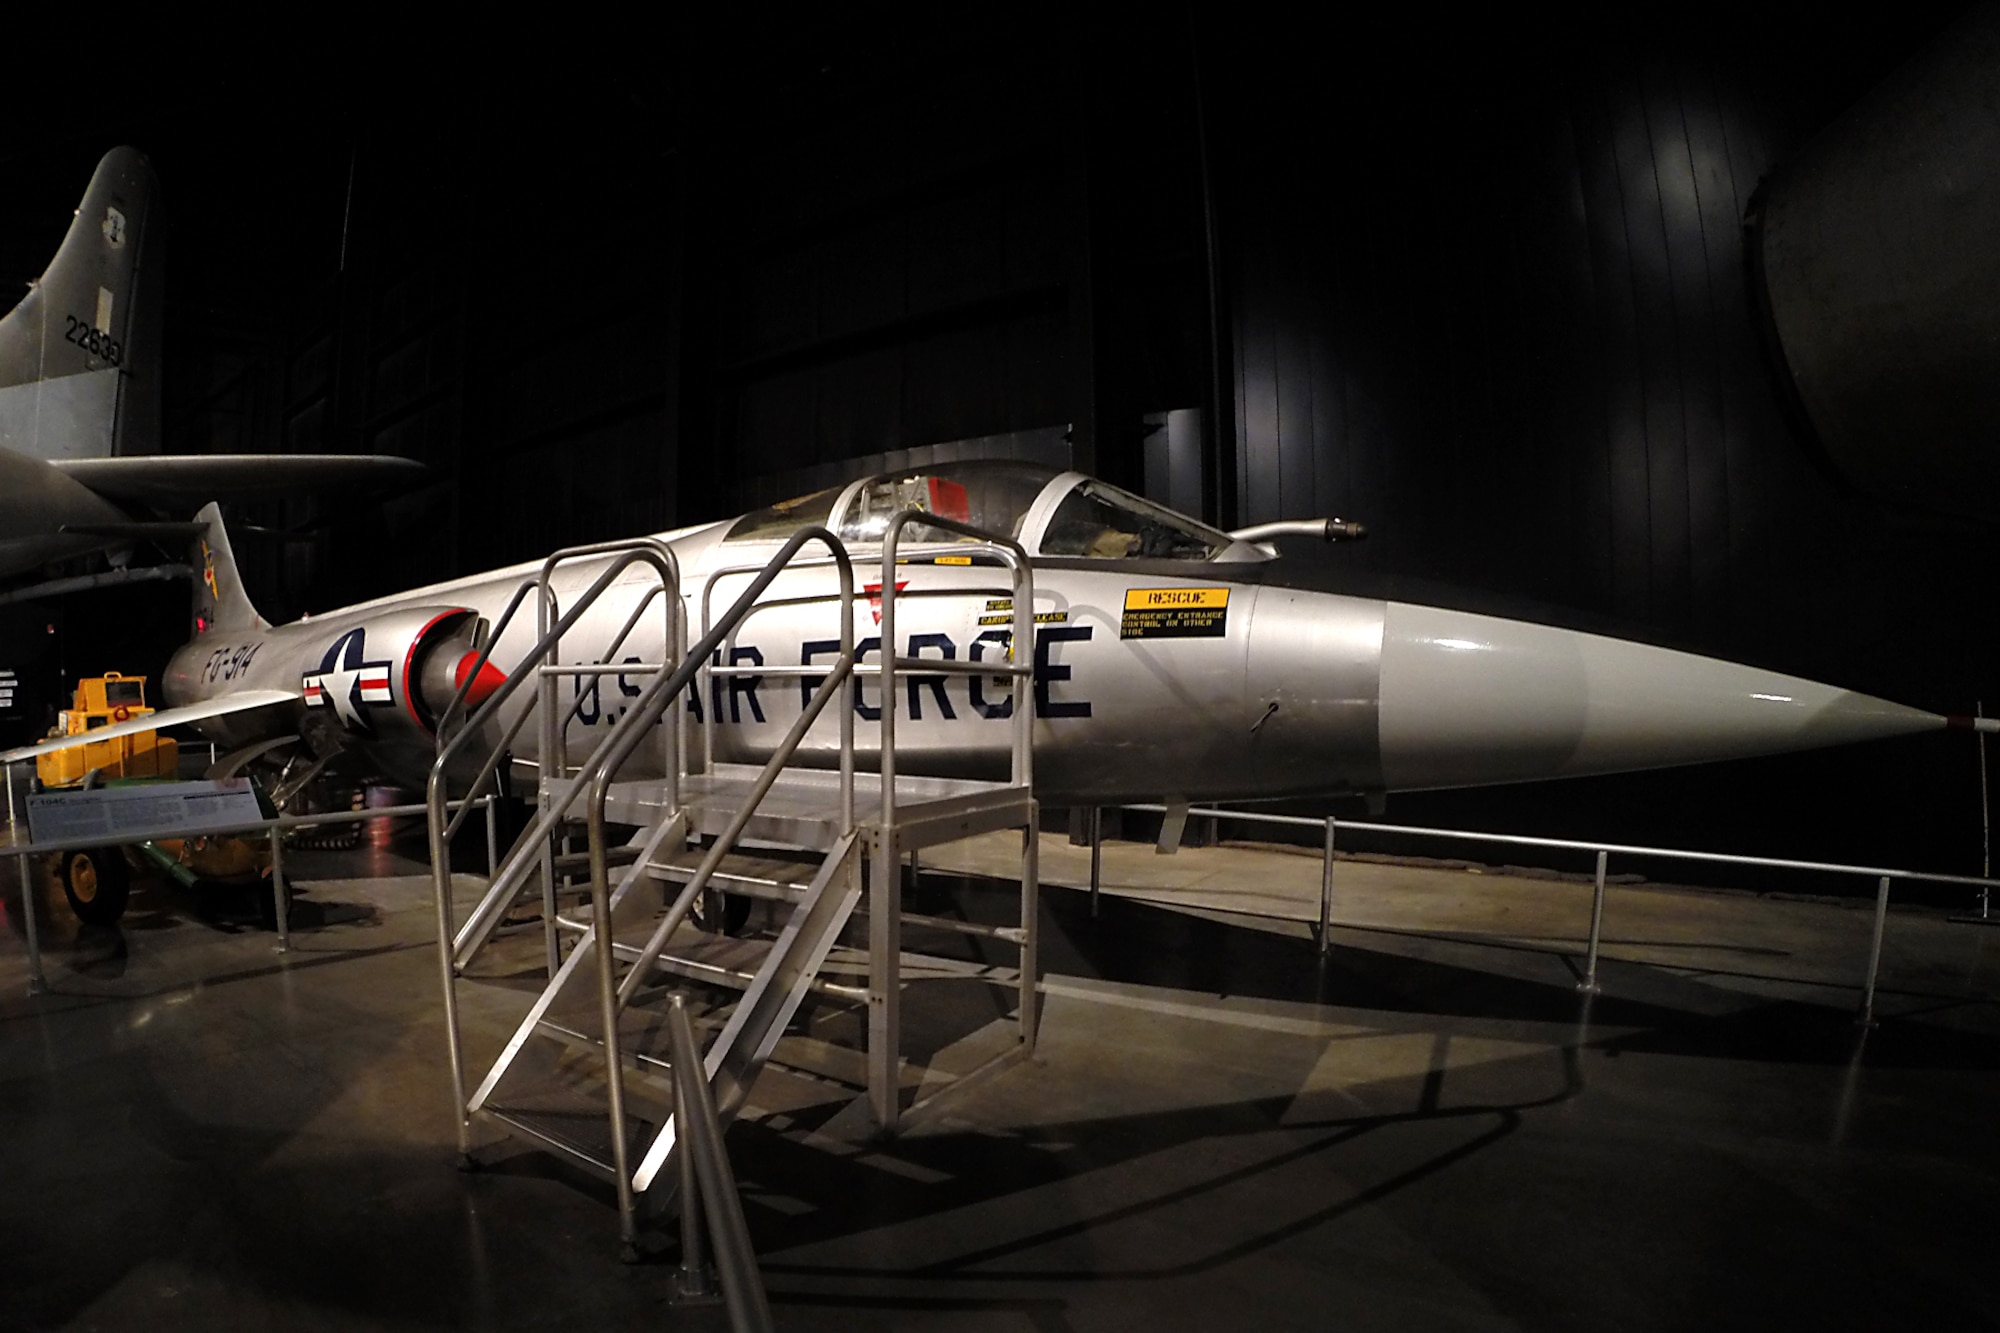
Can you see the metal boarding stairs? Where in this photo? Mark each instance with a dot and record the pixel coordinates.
(582, 1075)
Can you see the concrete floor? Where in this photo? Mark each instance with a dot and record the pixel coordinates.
(1430, 1128)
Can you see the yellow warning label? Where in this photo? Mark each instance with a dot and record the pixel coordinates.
(1175, 613)
(953, 560)
(1041, 618)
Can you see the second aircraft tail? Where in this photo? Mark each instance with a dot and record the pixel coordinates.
(79, 356)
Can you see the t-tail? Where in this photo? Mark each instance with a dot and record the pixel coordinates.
(220, 603)
(79, 356)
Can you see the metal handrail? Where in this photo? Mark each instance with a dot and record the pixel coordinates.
(457, 704)
(607, 667)
(1882, 875)
(275, 827)
(554, 750)
(548, 641)
(837, 678)
(479, 922)
(706, 1166)
(605, 760)
(493, 633)
(1579, 845)
(1010, 553)
(705, 689)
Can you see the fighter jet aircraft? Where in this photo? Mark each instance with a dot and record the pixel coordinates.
(1169, 659)
(80, 399)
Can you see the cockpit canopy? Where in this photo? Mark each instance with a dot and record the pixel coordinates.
(1050, 513)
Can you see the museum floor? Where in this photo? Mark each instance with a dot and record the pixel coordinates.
(1430, 1128)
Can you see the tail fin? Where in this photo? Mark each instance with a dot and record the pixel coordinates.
(79, 356)
(219, 600)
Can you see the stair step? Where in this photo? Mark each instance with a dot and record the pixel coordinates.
(567, 862)
(550, 1085)
(575, 1129)
(772, 876)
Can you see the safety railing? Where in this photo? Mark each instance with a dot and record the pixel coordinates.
(452, 947)
(554, 750)
(466, 940)
(275, 828)
(646, 714)
(1020, 655)
(1604, 851)
(1009, 554)
(669, 688)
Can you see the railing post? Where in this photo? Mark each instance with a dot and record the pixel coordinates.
(695, 1283)
(885, 944)
(36, 983)
(282, 915)
(551, 941)
(1031, 913)
(700, 1131)
(1326, 893)
(1867, 1015)
(437, 807)
(492, 834)
(608, 1007)
(1096, 856)
(1589, 984)
(1985, 822)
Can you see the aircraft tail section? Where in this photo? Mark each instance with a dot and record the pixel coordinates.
(79, 356)
(219, 600)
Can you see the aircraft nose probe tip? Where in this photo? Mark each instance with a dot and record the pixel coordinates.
(1966, 722)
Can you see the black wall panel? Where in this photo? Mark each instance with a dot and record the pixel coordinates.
(1509, 327)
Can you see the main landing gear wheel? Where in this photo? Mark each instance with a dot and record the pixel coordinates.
(97, 883)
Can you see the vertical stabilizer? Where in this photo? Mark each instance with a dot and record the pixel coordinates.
(79, 356)
(219, 600)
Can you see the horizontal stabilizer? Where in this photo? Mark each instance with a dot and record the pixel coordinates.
(171, 478)
(242, 702)
(135, 532)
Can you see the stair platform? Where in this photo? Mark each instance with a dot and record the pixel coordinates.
(803, 806)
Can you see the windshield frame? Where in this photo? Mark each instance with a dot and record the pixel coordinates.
(1035, 518)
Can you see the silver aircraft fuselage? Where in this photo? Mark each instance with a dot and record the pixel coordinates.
(1168, 661)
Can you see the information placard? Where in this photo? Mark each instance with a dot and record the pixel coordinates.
(132, 814)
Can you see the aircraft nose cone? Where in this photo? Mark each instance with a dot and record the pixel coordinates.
(1469, 699)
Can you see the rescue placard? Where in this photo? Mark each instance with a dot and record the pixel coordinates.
(1175, 613)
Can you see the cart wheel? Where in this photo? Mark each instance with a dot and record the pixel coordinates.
(97, 882)
(267, 902)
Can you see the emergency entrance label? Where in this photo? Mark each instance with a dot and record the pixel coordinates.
(1175, 613)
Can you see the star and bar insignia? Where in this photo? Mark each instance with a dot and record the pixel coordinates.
(345, 681)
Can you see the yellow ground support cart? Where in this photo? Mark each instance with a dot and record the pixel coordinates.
(97, 880)
(100, 702)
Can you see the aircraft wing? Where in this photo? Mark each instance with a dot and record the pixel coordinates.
(170, 479)
(241, 702)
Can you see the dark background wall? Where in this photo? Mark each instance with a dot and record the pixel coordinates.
(1480, 286)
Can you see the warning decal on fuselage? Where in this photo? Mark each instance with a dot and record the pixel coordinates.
(1175, 613)
(1000, 611)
